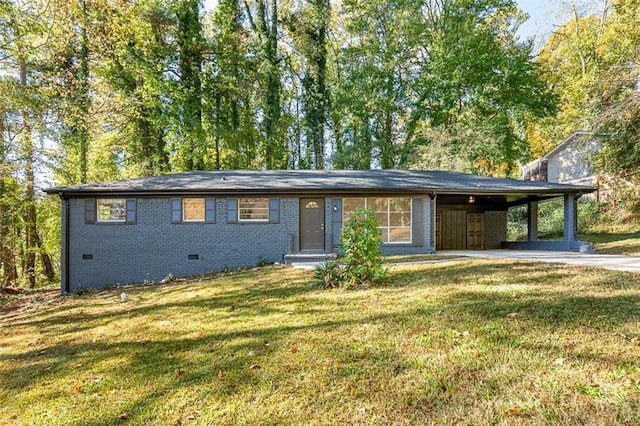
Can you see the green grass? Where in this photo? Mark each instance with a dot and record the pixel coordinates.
(614, 243)
(452, 342)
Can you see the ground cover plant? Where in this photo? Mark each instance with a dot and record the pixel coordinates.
(449, 342)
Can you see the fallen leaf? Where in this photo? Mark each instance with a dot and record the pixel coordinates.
(293, 349)
(123, 416)
(77, 389)
(513, 315)
(514, 411)
(180, 373)
(222, 374)
(255, 367)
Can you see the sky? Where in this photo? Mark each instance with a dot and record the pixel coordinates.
(540, 22)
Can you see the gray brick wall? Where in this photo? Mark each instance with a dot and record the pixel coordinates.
(495, 228)
(154, 247)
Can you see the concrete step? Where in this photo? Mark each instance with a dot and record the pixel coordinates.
(587, 248)
(308, 257)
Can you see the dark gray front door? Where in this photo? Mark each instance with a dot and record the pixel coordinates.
(312, 224)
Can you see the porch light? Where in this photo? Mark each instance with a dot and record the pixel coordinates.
(335, 208)
(472, 199)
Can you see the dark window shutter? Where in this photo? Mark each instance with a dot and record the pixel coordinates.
(417, 221)
(232, 210)
(210, 210)
(274, 210)
(131, 210)
(90, 210)
(176, 210)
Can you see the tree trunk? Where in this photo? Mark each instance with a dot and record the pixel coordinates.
(190, 44)
(45, 259)
(31, 225)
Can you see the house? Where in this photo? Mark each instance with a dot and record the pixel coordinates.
(196, 222)
(572, 161)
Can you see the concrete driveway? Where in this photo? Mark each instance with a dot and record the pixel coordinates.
(607, 261)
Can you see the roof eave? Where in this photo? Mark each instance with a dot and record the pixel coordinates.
(69, 193)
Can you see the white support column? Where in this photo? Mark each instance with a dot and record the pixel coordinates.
(532, 221)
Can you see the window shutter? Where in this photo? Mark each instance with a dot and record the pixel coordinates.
(90, 210)
(210, 210)
(417, 221)
(232, 210)
(131, 210)
(274, 210)
(176, 210)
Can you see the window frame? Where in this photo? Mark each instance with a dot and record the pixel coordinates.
(98, 219)
(184, 210)
(265, 209)
(388, 227)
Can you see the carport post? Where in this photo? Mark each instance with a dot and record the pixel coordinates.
(532, 221)
(570, 217)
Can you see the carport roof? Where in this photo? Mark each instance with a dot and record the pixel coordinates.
(322, 181)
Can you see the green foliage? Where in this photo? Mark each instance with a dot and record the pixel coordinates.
(329, 275)
(592, 62)
(591, 214)
(361, 240)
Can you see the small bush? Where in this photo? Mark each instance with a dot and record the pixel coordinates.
(263, 261)
(361, 240)
(329, 275)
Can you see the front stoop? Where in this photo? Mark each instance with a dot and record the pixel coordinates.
(308, 257)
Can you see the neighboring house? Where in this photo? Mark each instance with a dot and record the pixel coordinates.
(572, 161)
(196, 222)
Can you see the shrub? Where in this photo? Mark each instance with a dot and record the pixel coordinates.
(329, 275)
(361, 240)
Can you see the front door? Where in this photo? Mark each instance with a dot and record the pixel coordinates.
(312, 224)
(475, 231)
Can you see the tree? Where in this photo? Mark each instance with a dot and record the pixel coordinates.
(230, 83)
(134, 71)
(188, 92)
(22, 39)
(309, 29)
(263, 19)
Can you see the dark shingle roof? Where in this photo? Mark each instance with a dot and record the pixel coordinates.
(325, 181)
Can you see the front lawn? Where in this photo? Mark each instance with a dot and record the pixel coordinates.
(452, 342)
(613, 243)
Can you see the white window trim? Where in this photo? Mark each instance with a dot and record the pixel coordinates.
(97, 214)
(266, 220)
(388, 227)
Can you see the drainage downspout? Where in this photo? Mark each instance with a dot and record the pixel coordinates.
(66, 204)
(433, 196)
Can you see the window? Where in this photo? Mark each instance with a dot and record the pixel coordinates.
(393, 215)
(193, 209)
(253, 209)
(111, 210)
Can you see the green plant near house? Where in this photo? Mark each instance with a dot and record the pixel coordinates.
(361, 240)
(329, 275)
